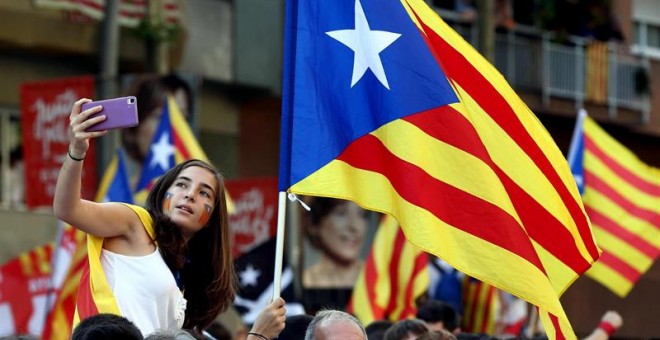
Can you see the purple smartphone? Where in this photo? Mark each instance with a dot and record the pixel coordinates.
(120, 113)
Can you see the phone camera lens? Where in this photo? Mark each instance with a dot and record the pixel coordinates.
(131, 100)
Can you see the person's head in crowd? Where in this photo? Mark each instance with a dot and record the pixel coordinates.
(407, 329)
(438, 316)
(228, 325)
(151, 92)
(377, 328)
(295, 327)
(335, 325)
(437, 335)
(172, 334)
(337, 228)
(106, 327)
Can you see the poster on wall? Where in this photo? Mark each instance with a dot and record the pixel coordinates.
(254, 219)
(45, 109)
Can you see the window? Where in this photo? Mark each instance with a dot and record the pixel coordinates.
(647, 38)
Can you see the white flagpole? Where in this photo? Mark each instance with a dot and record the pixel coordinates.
(279, 245)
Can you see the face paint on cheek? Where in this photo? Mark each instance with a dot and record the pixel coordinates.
(206, 214)
(167, 202)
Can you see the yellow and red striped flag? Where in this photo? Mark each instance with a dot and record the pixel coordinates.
(65, 313)
(394, 275)
(481, 303)
(385, 105)
(622, 198)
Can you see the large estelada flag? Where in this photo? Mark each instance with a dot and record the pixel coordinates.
(622, 197)
(385, 105)
(84, 282)
(394, 275)
(173, 143)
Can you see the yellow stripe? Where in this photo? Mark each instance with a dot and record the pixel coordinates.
(466, 172)
(468, 297)
(642, 228)
(519, 167)
(621, 186)
(620, 153)
(465, 252)
(623, 250)
(406, 270)
(108, 177)
(382, 249)
(44, 255)
(610, 278)
(361, 302)
(562, 275)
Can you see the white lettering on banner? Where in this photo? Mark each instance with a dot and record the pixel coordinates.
(49, 127)
(7, 319)
(37, 319)
(251, 218)
(41, 284)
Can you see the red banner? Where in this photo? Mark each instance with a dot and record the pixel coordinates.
(254, 220)
(24, 289)
(45, 109)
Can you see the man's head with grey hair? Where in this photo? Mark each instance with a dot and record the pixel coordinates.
(335, 325)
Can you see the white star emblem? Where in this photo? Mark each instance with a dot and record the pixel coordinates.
(367, 45)
(162, 151)
(249, 276)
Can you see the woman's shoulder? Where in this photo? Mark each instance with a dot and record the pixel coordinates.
(145, 217)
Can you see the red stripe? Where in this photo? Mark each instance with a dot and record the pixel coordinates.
(634, 180)
(474, 295)
(603, 222)
(85, 300)
(618, 265)
(555, 323)
(460, 70)
(594, 182)
(180, 144)
(487, 307)
(421, 261)
(449, 126)
(394, 274)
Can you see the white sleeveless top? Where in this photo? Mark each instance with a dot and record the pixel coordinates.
(145, 290)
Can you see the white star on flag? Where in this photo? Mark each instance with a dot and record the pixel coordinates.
(249, 276)
(367, 45)
(162, 151)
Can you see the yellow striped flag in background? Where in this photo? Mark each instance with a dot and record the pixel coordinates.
(385, 105)
(394, 275)
(481, 303)
(622, 198)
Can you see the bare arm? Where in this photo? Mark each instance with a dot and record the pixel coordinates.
(99, 219)
(609, 323)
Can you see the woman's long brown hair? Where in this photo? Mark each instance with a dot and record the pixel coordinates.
(205, 262)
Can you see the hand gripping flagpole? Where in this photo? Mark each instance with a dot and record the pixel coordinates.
(279, 245)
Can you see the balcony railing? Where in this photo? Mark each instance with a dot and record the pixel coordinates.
(532, 60)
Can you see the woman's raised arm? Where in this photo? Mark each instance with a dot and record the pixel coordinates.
(104, 220)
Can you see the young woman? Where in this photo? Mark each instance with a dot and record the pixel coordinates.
(168, 266)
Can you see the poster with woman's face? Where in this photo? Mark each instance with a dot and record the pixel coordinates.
(337, 238)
